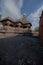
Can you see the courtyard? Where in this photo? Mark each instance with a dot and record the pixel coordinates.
(17, 48)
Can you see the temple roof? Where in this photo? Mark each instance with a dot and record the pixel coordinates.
(23, 20)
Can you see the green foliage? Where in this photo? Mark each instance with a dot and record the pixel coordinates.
(36, 29)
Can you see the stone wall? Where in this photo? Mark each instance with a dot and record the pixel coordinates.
(41, 29)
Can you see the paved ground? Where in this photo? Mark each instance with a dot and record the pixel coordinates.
(14, 50)
(4, 35)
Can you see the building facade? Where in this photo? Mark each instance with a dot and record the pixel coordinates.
(15, 26)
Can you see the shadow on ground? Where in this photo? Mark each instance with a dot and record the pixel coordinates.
(16, 50)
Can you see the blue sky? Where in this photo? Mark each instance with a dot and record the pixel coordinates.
(16, 8)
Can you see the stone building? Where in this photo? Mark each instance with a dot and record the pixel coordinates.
(15, 26)
(41, 27)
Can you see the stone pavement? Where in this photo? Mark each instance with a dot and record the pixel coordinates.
(17, 48)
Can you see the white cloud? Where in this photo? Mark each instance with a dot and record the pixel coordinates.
(20, 3)
(34, 17)
(11, 8)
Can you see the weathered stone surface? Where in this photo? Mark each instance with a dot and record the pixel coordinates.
(15, 49)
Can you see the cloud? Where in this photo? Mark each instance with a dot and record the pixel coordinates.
(12, 8)
(34, 17)
(20, 3)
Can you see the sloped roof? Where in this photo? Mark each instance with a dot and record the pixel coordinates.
(15, 21)
(8, 18)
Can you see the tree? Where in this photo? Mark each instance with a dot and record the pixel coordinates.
(36, 29)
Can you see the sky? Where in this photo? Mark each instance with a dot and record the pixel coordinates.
(16, 9)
